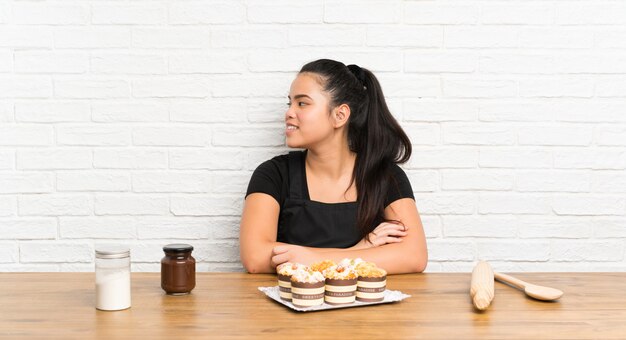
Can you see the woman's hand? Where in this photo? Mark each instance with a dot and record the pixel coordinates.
(292, 253)
(386, 232)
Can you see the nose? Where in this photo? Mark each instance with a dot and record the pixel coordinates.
(290, 113)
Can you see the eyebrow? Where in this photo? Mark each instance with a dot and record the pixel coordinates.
(299, 96)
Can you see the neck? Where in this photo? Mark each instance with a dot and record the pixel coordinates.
(333, 161)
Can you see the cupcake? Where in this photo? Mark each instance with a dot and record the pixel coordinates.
(352, 263)
(307, 288)
(341, 284)
(322, 265)
(284, 272)
(371, 283)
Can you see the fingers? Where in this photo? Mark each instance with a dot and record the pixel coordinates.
(279, 259)
(279, 250)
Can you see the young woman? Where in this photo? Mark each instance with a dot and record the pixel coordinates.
(342, 196)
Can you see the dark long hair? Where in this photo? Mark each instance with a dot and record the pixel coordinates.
(373, 134)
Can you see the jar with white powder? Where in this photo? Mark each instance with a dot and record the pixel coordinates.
(112, 278)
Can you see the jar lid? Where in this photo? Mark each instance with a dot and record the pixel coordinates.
(178, 247)
(112, 252)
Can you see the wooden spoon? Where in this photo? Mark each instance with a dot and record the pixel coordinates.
(535, 291)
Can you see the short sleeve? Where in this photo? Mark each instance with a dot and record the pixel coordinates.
(267, 179)
(400, 187)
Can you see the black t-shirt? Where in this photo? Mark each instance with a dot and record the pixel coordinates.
(272, 178)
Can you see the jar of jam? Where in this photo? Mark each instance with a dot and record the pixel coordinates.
(178, 269)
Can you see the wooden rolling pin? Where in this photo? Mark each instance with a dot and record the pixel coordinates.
(481, 289)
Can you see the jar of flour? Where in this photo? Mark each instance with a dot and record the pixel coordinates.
(112, 278)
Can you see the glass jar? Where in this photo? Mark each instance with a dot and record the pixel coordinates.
(112, 278)
(178, 269)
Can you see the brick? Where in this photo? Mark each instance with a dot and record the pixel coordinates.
(574, 251)
(517, 14)
(443, 157)
(439, 110)
(210, 159)
(608, 227)
(595, 62)
(49, 14)
(432, 226)
(478, 134)
(480, 226)
(424, 62)
(561, 110)
(92, 181)
(92, 37)
(285, 12)
(476, 180)
(173, 228)
(255, 156)
(131, 204)
(482, 87)
(171, 37)
(554, 227)
(245, 38)
(93, 135)
(267, 136)
(9, 253)
(423, 180)
(97, 227)
(590, 158)
(129, 111)
(91, 88)
(25, 37)
(217, 251)
(172, 135)
(353, 12)
(55, 252)
(585, 204)
(608, 182)
(266, 111)
(426, 13)
(481, 36)
(128, 14)
(574, 135)
(54, 159)
(556, 181)
(279, 60)
(135, 158)
(422, 134)
(590, 13)
(52, 112)
(8, 205)
(28, 228)
(204, 205)
(444, 203)
(230, 182)
(610, 86)
(124, 63)
(213, 63)
(6, 112)
(426, 36)
(24, 268)
(214, 111)
(223, 227)
(321, 35)
(55, 205)
(563, 86)
(6, 61)
(611, 37)
(274, 85)
(609, 135)
(513, 203)
(26, 182)
(522, 63)
(447, 250)
(555, 38)
(410, 86)
(22, 86)
(25, 135)
(514, 250)
(7, 160)
(166, 182)
(51, 62)
(194, 13)
(514, 157)
(169, 87)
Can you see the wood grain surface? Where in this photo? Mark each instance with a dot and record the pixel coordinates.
(229, 306)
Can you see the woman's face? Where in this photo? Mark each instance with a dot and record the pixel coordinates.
(308, 120)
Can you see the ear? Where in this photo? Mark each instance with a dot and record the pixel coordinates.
(340, 115)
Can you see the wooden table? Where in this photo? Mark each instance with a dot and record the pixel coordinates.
(229, 305)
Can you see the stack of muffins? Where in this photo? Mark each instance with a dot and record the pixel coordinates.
(334, 283)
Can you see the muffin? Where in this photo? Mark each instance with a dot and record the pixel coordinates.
(352, 263)
(371, 283)
(284, 272)
(322, 265)
(341, 284)
(307, 288)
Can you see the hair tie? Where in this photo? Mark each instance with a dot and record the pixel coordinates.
(358, 73)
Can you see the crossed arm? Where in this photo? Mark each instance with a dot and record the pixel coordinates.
(393, 247)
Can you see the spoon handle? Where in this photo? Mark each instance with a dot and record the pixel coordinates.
(510, 280)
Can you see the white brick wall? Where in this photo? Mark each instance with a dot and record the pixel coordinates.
(140, 122)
